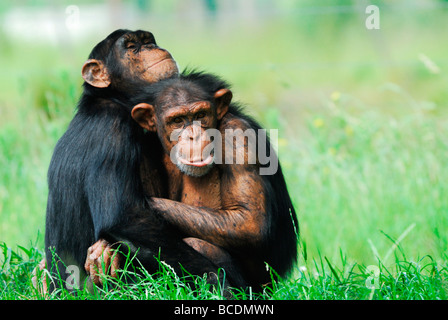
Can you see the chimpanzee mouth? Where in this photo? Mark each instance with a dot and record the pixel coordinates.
(197, 163)
(160, 61)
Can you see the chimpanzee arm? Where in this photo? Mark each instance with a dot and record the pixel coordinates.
(242, 220)
(93, 177)
(111, 182)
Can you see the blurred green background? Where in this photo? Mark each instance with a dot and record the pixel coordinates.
(362, 114)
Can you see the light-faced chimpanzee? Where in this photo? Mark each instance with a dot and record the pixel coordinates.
(226, 208)
(104, 166)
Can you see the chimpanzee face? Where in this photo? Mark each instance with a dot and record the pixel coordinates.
(181, 118)
(183, 129)
(127, 61)
(138, 53)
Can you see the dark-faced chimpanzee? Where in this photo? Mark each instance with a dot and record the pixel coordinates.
(229, 211)
(105, 166)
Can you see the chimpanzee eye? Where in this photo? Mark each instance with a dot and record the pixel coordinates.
(200, 115)
(130, 45)
(177, 120)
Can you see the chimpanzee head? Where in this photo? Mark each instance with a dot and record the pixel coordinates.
(181, 115)
(126, 59)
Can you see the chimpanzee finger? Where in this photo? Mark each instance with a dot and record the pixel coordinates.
(97, 258)
(105, 262)
(93, 261)
(94, 274)
(115, 264)
(89, 261)
(90, 254)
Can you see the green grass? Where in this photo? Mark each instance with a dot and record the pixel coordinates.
(320, 279)
(363, 126)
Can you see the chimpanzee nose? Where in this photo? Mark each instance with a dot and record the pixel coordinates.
(195, 137)
(195, 134)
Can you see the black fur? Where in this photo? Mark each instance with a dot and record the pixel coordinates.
(95, 187)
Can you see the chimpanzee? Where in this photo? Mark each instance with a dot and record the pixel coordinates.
(231, 213)
(105, 165)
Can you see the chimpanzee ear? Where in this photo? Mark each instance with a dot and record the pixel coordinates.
(144, 114)
(223, 97)
(95, 73)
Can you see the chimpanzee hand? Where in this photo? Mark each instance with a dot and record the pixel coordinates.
(98, 262)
